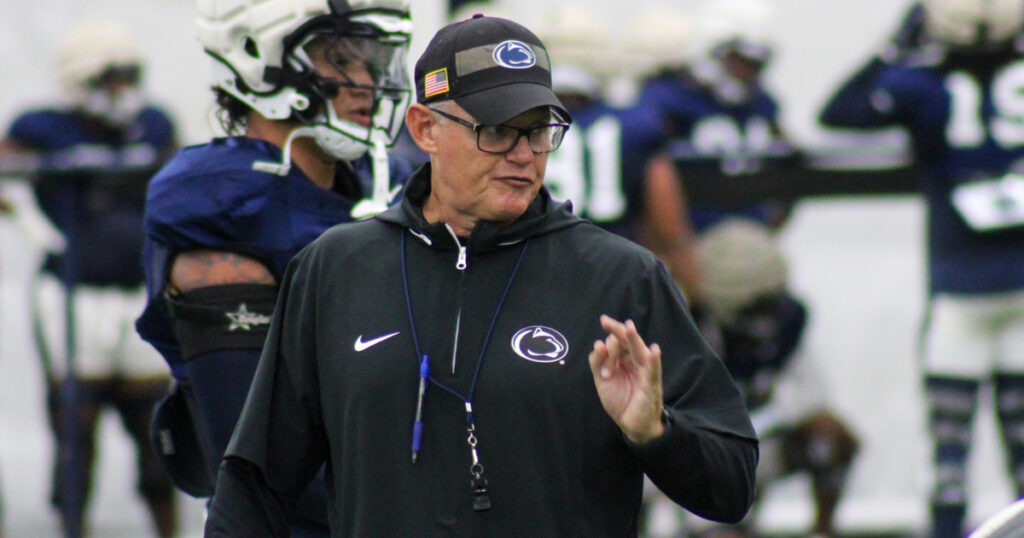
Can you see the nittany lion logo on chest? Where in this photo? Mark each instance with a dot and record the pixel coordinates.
(537, 343)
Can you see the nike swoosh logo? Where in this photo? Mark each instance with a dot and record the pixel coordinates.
(361, 345)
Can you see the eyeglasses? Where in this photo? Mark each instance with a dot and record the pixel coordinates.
(500, 139)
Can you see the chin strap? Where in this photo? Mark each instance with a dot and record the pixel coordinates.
(285, 166)
(365, 208)
(382, 193)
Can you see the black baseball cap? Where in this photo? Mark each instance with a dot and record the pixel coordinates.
(494, 68)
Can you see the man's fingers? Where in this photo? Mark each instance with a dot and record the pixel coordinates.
(655, 361)
(612, 325)
(616, 330)
(626, 339)
(638, 349)
(615, 346)
(599, 360)
(625, 343)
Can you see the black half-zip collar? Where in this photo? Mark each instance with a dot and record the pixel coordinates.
(479, 484)
(542, 216)
(460, 266)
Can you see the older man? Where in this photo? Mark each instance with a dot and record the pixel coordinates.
(459, 360)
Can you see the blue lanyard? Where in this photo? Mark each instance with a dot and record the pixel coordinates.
(481, 500)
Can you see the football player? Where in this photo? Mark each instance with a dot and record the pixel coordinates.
(611, 164)
(756, 327)
(92, 157)
(954, 80)
(311, 94)
(722, 121)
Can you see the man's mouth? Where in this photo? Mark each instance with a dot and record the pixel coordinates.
(361, 116)
(517, 180)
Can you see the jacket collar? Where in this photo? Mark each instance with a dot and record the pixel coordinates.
(544, 215)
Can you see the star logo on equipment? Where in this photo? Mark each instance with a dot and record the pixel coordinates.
(245, 320)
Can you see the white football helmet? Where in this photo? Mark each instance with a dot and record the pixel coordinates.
(728, 29)
(579, 44)
(973, 23)
(740, 261)
(660, 37)
(261, 52)
(485, 7)
(93, 53)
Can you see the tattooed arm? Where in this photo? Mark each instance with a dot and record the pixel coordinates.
(200, 268)
(220, 351)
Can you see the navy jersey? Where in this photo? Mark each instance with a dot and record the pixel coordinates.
(758, 345)
(600, 165)
(209, 197)
(92, 187)
(710, 137)
(964, 117)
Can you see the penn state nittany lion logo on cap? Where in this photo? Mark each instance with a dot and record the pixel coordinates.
(514, 55)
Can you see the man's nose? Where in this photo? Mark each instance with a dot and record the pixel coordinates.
(521, 152)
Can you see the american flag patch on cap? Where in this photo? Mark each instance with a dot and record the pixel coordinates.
(435, 82)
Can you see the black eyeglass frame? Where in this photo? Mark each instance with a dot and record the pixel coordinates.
(476, 127)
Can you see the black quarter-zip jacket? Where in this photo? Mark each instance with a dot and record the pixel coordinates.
(507, 319)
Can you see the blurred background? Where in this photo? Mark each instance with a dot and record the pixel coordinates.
(858, 263)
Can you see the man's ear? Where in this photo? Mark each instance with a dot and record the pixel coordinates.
(420, 122)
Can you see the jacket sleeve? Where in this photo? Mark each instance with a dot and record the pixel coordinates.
(706, 459)
(244, 505)
(278, 445)
(707, 472)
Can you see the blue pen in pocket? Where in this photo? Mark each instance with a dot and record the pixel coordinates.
(417, 427)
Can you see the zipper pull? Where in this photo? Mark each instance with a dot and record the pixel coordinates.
(460, 264)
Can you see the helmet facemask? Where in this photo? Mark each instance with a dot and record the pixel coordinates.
(113, 96)
(733, 70)
(99, 65)
(973, 26)
(362, 62)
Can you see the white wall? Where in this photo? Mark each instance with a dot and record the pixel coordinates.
(857, 262)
